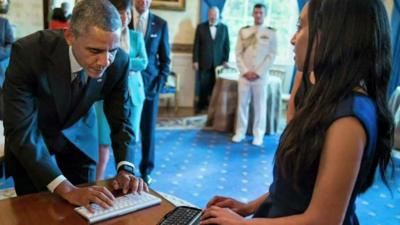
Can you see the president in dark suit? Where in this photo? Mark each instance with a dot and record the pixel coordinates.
(50, 126)
(155, 32)
(211, 49)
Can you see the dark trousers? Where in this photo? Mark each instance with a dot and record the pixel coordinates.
(147, 129)
(74, 165)
(206, 83)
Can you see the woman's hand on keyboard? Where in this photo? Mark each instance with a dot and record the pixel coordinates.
(83, 196)
(233, 204)
(222, 216)
(129, 183)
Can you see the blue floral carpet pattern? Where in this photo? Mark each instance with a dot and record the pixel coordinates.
(195, 165)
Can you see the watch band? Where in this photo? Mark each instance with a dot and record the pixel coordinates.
(127, 168)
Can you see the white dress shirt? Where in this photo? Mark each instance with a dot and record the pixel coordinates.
(213, 30)
(145, 17)
(125, 40)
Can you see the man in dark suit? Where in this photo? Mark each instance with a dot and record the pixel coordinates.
(211, 49)
(155, 32)
(50, 126)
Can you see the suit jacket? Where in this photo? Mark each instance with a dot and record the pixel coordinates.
(207, 52)
(158, 53)
(256, 49)
(6, 39)
(138, 62)
(37, 117)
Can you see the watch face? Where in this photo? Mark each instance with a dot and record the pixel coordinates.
(130, 169)
(127, 169)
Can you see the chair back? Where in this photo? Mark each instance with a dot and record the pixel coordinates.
(171, 85)
(171, 89)
(229, 73)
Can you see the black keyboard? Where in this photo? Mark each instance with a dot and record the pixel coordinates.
(182, 215)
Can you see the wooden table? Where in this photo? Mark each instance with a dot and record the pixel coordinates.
(221, 115)
(45, 208)
(1, 149)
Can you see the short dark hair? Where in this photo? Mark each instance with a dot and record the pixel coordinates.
(260, 5)
(122, 4)
(59, 15)
(98, 13)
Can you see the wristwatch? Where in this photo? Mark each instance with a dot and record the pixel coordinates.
(127, 168)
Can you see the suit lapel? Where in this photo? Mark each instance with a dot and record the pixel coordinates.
(60, 78)
(149, 29)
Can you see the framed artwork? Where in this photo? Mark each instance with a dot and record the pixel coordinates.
(177, 5)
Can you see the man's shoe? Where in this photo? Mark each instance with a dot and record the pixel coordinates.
(147, 179)
(237, 138)
(257, 141)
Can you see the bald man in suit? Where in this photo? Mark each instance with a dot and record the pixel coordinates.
(211, 49)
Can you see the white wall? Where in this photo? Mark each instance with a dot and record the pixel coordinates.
(26, 16)
(182, 65)
(182, 24)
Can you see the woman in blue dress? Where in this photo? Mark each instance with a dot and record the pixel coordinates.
(132, 42)
(342, 129)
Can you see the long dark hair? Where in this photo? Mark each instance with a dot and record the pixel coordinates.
(352, 49)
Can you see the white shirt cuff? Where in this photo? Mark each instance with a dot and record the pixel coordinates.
(54, 184)
(126, 163)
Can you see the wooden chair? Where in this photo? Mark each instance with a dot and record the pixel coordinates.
(171, 89)
(281, 74)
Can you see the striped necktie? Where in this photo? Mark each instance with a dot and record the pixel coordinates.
(77, 87)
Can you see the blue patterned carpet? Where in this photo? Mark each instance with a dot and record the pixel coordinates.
(195, 165)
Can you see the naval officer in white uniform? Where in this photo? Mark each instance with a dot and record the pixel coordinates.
(256, 49)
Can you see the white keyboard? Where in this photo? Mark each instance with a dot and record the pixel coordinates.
(122, 205)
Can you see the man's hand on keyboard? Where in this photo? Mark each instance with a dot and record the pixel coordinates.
(129, 183)
(83, 196)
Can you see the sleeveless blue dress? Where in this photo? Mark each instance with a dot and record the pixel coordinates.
(284, 200)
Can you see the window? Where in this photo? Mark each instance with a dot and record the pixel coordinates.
(281, 15)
